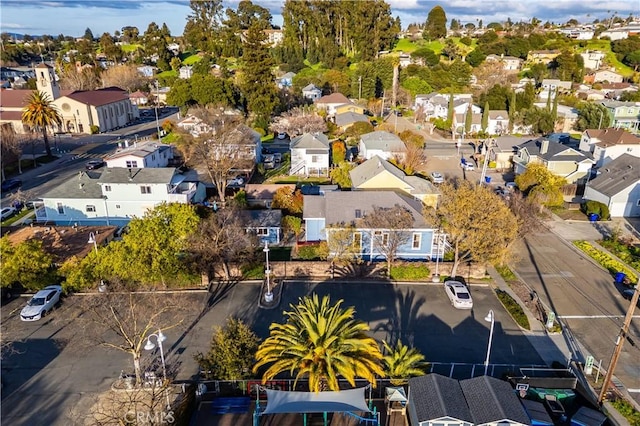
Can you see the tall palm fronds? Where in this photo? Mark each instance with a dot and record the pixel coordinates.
(41, 113)
(402, 362)
(321, 342)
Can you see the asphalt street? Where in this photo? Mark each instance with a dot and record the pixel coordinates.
(582, 295)
(55, 369)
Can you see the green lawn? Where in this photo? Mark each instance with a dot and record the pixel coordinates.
(128, 48)
(605, 46)
(190, 60)
(405, 45)
(314, 67)
(167, 74)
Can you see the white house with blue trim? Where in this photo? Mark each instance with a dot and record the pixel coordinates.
(113, 196)
(346, 209)
(266, 224)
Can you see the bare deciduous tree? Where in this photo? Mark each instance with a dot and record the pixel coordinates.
(10, 147)
(87, 78)
(342, 248)
(221, 239)
(298, 121)
(389, 228)
(123, 320)
(489, 74)
(229, 147)
(126, 77)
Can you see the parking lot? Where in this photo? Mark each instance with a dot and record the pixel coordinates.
(53, 367)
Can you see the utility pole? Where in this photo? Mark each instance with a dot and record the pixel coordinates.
(619, 342)
(382, 107)
(360, 87)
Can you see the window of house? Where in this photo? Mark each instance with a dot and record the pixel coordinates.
(638, 203)
(117, 206)
(90, 208)
(153, 157)
(358, 213)
(357, 240)
(385, 239)
(417, 239)
(314, 159)
(145, 190)
(262, 232)
(60, 208)
(382, 237)
(107, 188)
(132, 164)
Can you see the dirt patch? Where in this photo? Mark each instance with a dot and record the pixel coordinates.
(528, 297)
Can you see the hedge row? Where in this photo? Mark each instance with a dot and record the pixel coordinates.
(606, 260)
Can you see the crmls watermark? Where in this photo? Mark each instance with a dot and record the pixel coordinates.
(140, 418)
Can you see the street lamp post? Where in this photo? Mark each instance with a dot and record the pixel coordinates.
(436, 276)
(149, 346)
(92, 240)
(268, 296)
(489, 318)
(106, 210)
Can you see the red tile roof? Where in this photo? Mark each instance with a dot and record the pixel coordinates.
(100, 97)
(609, 137)
(13, 98)
(10, 115)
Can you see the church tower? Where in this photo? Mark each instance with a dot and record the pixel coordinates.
(46, 81)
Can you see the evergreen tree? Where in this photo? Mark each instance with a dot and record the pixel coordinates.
(436, 25)
(450, 110)
(468, 119)
(554, 109)
(485, 117)
(88, 35)
(258, 85)
(203, 25)
(512, 106)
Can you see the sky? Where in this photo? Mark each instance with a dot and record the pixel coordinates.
(72, 17)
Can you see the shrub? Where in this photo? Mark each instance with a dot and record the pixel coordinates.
(605, 260)
(596, 207)
(516, 311)
(412, 272)
(94, 129)
(252, 271)
(506, 273)
(627, 410)
(627, 252)
(492, 164)
(310, 252)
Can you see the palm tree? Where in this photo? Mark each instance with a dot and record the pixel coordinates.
(41, 113)
(321, 342)
(402, 362)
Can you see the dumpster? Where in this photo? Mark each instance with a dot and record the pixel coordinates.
(619, 277)
(594, 217)
(487, 179)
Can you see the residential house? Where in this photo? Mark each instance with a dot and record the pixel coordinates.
(459, 121)
(81, 110)
(522, 83)
(567, 117)
(329, 103)
(502, 149)
(435, 105)
(593, 59)
(542, 56)
(286, 80)
(139, 98)
(141, 155)
(620, 33)
(493, 402)
(617, 186)
(310, 155)
(347, 119)
(266, 224)
(261, 195)
(113, 196)
(274, 37)
(404, 59)
(382, 144)
(553, 84)
(626, 115)
(509, 63)
(335, 210)
(608, 144)
(194, 125)
(559, 159)
(311, 92)
(498, 122)
(608, 76)
(349, 107)
(185, 72)
(437, 400)
(585, 33)
(615, 90)
(376, 173)
(590, 95)
(146, 70)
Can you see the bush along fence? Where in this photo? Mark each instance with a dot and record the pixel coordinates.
(606, 260)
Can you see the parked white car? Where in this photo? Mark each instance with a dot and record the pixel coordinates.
(437, 177)
(41, 303)
(467, 165)
(7, 212)
(458, 294)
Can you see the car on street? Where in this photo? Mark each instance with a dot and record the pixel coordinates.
(282, 136)
(7, 212)
(466, 165)
(10, 184)
(437, 177)
(94, 164)
(458, 294)
(41, 303)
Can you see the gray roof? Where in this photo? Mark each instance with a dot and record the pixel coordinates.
(309, 87)
(491, 400)
(146, 175)
(84, 185)
(312, 141)
(508, 143)
(536, 412)
(382, 140)
(261, 218)
(340, 206)
(140, 151)
(617, 175)
(350, 117)
(434, 396)
(555, 151)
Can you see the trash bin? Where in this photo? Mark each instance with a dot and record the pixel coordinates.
(487, 179)
(620, 276)
(593, 217)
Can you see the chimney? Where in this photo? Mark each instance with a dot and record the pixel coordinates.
(544, 146)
